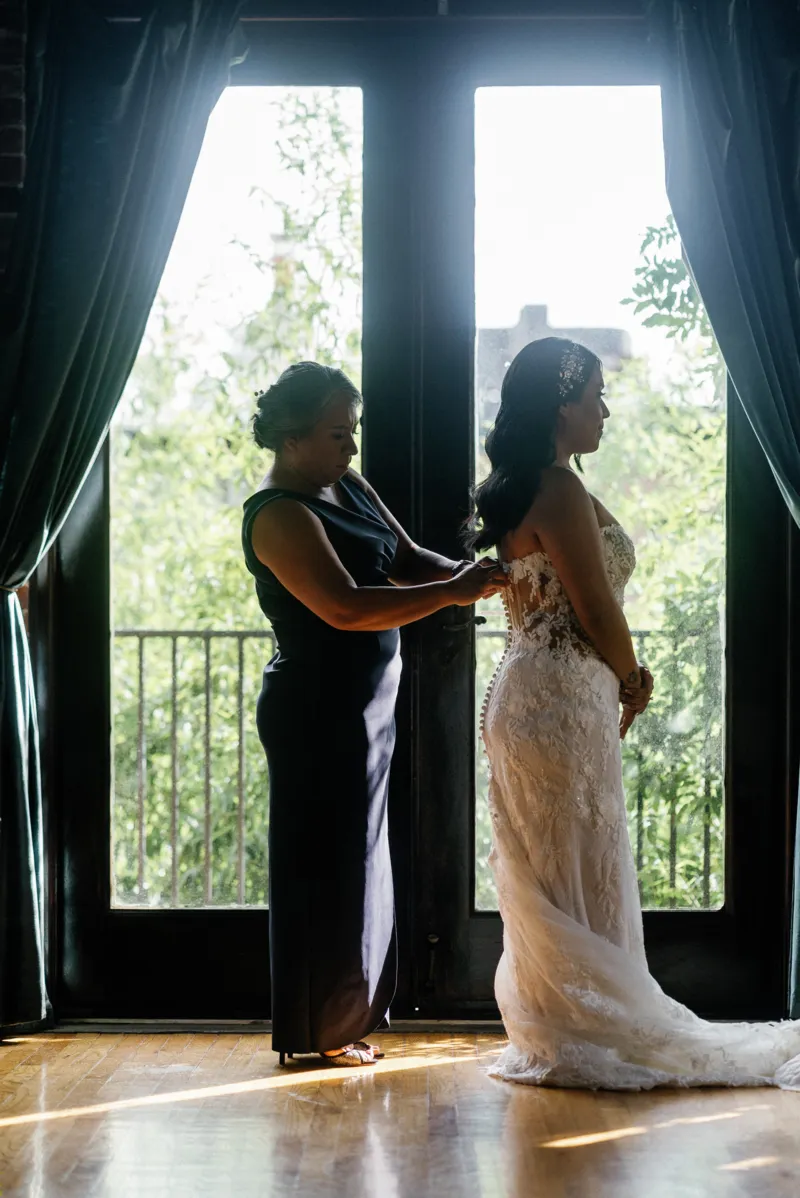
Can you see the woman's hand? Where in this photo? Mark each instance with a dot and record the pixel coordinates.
(476, 580)
(637, 697)
(625, 721)
(484, 561)
(634, 700)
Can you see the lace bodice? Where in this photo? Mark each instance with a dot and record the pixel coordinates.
(537, 606)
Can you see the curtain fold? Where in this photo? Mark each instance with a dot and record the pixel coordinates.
(731, 105)
(118, 111)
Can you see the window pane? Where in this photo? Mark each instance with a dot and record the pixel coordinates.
(574, 237)
(265, 270)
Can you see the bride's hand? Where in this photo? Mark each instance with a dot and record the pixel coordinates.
(637, 697)
(634, 700)
(625, 721)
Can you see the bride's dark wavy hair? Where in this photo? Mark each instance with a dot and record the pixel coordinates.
(544, 376)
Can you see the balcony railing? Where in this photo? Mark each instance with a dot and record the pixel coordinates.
(219, 788)
(191, 798)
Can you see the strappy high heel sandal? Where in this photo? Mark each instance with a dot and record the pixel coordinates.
(350, 1058)
(377, 1055)
(361, 1046)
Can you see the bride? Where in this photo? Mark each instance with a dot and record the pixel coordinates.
(579, 1004)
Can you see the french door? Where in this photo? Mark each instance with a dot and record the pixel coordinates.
(709, 801)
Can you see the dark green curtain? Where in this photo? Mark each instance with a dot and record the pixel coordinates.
(731, 100)
(117, 114)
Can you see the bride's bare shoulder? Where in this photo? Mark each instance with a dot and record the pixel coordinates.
(559, 485)
(560, 476)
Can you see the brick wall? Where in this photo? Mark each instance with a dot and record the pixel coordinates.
(12, 116)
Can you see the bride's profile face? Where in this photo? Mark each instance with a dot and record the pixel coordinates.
(581, 422)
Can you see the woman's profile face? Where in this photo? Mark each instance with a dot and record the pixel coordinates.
(325, 453)
(581, 423)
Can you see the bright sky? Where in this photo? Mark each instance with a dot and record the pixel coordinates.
(567, 181)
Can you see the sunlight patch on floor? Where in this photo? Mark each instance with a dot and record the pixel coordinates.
(292, 1076)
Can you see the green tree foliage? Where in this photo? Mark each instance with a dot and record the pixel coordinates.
(673, 499)
(313, 309)
(665, 295)
(183, 461)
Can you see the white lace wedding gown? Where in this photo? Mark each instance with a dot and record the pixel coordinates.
(579, 1004)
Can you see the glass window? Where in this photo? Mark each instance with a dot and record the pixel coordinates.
(574, 237)
(265, 270)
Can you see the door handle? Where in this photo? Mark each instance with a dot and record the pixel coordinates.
(462, 625)
(433, 940)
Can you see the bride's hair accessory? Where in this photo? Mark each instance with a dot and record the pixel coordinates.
(571, 370)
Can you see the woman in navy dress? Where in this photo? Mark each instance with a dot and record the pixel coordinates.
(336, 575)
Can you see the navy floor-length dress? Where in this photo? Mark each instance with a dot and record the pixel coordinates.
(326, 720)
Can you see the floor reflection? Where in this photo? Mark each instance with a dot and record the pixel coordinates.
(663, 1144)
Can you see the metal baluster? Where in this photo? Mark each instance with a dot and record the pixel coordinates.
(240, 710)
(673, 820)
(707, 848)
(140, 769)
(639, 811)
(174, 770)
(707, 657)
(207, 738)
(673, 850)
(639, 786)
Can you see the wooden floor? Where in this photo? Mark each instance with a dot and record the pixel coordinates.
(123, 1116)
